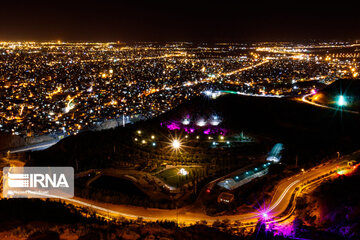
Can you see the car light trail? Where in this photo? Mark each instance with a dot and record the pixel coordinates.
(283, 195)
(188, 217)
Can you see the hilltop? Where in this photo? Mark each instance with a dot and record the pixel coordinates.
(305, 130)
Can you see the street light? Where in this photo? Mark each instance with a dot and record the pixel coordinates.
(341, 101)
(176, 144)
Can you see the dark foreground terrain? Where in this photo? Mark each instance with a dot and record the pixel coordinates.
(45, 220)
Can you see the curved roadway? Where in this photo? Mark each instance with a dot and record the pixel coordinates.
(187, 215)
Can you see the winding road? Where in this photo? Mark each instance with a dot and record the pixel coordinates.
(281, 200)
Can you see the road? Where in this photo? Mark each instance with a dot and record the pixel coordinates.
(34, 147)
(245, 68)
(190, 214)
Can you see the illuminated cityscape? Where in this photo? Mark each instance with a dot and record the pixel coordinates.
(191, 120)
(63, 88)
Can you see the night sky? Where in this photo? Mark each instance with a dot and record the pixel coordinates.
(110, 20)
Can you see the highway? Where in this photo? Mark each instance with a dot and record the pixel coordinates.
(191, 214)
(245, 68)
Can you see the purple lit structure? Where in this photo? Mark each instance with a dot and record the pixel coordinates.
(207, 126)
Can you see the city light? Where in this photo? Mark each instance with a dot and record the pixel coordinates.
(207, 93)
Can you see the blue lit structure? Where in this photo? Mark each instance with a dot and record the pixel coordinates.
(245, 177)
(275, 153)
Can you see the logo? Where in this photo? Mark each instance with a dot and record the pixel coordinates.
(38, 182)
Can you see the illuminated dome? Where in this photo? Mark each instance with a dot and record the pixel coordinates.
(215, 120)
(186, 121)
(201, 123)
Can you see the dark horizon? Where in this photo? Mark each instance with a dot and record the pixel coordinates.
(111, 20)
